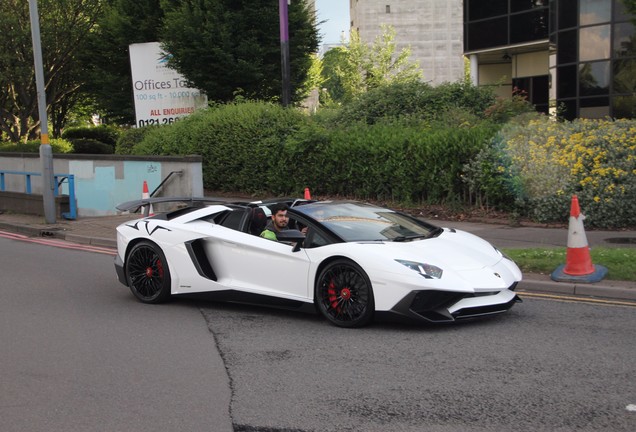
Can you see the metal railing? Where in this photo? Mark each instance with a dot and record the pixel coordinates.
(59, 179)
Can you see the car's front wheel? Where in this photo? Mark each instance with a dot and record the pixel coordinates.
(344, 294)
(147, 273)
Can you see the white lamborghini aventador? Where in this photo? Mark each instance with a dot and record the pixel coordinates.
(354, 261)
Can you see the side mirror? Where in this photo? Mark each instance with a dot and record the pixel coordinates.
(293, 236)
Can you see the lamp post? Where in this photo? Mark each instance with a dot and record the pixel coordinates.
(46, 153)
(284, 49)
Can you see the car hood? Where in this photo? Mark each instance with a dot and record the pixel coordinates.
(454, 249)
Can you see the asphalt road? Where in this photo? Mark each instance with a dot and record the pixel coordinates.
(80, 354)
(545, 366)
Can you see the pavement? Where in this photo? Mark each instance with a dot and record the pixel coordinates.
(100, 231)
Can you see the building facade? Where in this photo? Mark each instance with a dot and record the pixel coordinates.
(432, 29)
(576, 58)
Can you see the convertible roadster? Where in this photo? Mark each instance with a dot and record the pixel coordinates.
(349, 260)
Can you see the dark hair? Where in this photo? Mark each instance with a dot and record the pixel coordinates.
(275, 208)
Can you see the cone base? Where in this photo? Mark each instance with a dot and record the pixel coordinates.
(597, 275)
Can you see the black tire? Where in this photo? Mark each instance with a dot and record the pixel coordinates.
(344, 294)
(147, 273)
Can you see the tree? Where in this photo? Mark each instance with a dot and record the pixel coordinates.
(227, 46)
(365, 67)
(332, 84)
(108, 79)
(315, 78)
(64, 27)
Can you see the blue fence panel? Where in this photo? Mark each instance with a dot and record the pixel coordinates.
(59, 179)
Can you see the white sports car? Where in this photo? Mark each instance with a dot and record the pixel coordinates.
(356, 261)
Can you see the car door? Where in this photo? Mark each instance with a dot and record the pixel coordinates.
(254, 264)
(263, 266)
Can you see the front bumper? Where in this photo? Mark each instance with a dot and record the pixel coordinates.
(445, 306)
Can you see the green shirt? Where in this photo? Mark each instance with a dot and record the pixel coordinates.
(269, 235)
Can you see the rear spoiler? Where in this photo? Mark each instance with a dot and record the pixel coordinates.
(135, 205)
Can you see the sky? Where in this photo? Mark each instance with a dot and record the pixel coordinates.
(336, 15)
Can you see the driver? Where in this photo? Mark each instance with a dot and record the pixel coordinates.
(278, 223)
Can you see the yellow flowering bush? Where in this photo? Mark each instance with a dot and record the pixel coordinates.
(550, 161)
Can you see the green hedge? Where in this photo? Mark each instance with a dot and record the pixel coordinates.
(258, 147)
(57, 146)
(396, 162)
(417, 100)
(239, 143)
(129, 138)
(91, 146)
(104, 133)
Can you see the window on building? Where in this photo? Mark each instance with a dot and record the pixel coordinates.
(624, 106)
(594, 43)
(620, 12)
(388, 9)
(518, 6)
(567, 13)
(594, 107)
(536, 89)
(594, 78)
(624, 76)
(566, 81)
(529, 26)
(595, 11)
(490, 33)
(568, 47)
(486, 9)
(624, 40)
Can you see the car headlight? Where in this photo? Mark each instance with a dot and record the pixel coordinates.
(429, 271)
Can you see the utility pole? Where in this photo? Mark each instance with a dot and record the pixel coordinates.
(284, 49)
(46, 153)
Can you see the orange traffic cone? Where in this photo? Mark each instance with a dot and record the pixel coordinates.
(146, 210)
(578, 261)
(307, 194)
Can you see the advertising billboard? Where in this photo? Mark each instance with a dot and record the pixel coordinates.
(160, 93)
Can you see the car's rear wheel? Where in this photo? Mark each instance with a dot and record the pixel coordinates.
(147, 273)
(344, 294)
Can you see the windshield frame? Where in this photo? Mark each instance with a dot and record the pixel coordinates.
(353, 221)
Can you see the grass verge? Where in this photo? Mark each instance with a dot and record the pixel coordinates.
(620, 262)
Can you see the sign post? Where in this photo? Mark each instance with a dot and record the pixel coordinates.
(284, 50)
(46, 153)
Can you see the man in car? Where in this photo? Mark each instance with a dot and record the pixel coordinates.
(278, 223)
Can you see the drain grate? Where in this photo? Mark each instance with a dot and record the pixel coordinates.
(49, 232)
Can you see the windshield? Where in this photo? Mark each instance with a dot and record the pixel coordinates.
(362, 222)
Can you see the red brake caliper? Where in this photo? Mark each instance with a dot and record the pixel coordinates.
(160, 268)
(345, 294)
(149, 271)
(333, 299)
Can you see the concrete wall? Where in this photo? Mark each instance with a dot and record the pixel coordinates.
(103, 181)
(433, 29)
(32, 204)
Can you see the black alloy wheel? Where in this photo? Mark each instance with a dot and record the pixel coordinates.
(344, 294)
(147, 273)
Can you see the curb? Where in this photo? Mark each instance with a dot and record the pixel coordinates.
(616, 290)
(58, 234)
